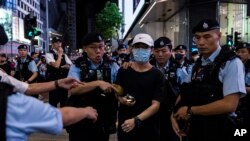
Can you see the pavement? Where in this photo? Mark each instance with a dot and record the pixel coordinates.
(62, 137)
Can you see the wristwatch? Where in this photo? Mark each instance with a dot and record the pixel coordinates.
(138, 122)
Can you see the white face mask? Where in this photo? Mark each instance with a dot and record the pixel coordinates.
(141, 55)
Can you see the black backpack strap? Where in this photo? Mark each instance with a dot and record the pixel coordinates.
(5, 90)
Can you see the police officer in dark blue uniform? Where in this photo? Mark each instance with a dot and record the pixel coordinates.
(212, 90)
(164, 61)
(92, 66)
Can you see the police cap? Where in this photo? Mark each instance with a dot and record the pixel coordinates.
(56, 39)
(206, 25)
(22, 47)
(179, 47)
(242, 45)
(92, 38)
(163, 42)
(121, 46)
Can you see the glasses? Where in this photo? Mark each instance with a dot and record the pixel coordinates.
(96, 47)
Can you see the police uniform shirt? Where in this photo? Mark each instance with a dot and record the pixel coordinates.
(32, 65)
(163, 69)
(231, 75)
(19, 86)
(27, 115)
(75, 71)
(182, 73)
(50, 58)
(247, 78)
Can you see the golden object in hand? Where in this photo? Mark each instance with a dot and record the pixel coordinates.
(119, 90)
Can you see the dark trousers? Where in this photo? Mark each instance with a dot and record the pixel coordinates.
(58, 96)
(88, 134)
(143, 133)
(166, 131)
(211, 128)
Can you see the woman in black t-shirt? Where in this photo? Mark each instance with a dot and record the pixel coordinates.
(137, 119)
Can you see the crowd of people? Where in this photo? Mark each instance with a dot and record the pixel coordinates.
(163, 95)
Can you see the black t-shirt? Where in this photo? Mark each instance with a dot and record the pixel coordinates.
(144, 86)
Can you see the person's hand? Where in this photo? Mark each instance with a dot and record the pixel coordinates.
(123, 100)
(105, 86)
(91, 113)
(68, 83)
(128, 125)
(181, 114)
(126, 65)
(66, 66)
(175, 127)
(60, 51)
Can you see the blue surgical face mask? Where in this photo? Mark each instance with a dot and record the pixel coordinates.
(141, 55)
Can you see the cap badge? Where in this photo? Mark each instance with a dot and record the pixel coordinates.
(180, 47)
(205, 25)
(161, 43)
(244, 45)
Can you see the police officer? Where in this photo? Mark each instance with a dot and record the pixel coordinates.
(22, 115)
(184, 65)
(213, 89)
(26, 69)
(92, 66)
(58, 67)
(164, 61)
(243, 110)
(122, 53)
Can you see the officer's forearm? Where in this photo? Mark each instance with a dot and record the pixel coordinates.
(226, 105)
(84, 88)
(150, 110)
(37, 88)
(57, 63)
(72, 115)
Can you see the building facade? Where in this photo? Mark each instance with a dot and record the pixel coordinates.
(176, 18)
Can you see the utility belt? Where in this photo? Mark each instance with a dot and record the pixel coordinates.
(54, 74)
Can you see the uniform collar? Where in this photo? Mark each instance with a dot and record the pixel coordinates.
(23, 59)
(166, 66)
(93, 65)
(212, 57)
